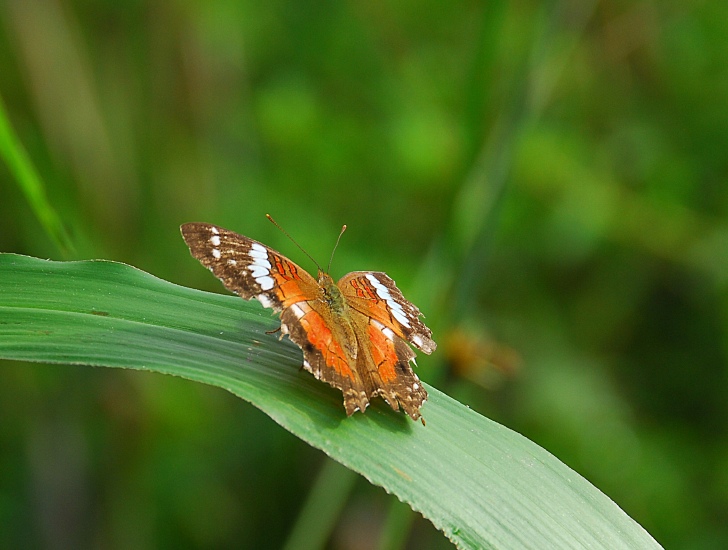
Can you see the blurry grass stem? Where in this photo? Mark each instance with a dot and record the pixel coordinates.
(30, 183)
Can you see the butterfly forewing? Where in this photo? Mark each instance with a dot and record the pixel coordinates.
(247, 267)
(375, 294)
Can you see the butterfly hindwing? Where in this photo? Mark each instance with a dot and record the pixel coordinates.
(386, 357)
(324, 355)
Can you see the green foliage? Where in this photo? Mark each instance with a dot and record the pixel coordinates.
(483, 485)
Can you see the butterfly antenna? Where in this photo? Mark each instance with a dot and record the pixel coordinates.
(293, 240)
(343, 228)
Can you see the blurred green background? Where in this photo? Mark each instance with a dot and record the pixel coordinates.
(546, 180)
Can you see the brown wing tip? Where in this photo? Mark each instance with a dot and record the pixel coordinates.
(412, 407)
(413, 411)
(189, 226)
(355, 400)
(423, 343)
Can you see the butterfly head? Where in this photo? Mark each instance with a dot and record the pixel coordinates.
(324, 279)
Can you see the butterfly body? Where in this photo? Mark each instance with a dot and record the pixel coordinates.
(334, 305)
(353, 332)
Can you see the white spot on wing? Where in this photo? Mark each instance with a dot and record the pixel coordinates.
(264, 264)
(399, 315)
(264, 300)
(216, 253)
(258, 270)
(266, 283)
(260, 267)
(258, 251)
(298, 311)
(383, 293)
(417, 341)
(232, 262)
(214, 230)
(215, 240)
(373, 279)
(380, 288)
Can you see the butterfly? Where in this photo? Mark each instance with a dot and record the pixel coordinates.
(353, 333)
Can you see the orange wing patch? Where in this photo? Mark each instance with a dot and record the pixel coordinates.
(288, 281)
(363, 291)
(383, 352)
(321, 338)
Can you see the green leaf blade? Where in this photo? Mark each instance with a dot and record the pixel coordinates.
(482, 484)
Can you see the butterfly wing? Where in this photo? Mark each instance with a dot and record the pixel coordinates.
(375, 294)
(249, 268)
(327, 353)
(387, 320)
